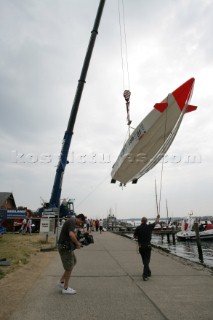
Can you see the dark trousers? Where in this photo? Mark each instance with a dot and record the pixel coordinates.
(145, 251)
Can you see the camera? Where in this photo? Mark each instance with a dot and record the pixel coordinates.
(84, 238)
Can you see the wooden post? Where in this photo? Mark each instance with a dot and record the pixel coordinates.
(200, 252)
(173, 237)
(173, 234)
(168, 237)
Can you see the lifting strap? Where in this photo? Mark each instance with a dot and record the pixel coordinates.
(124, 58)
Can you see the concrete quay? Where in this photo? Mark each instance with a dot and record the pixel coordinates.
(108, 280)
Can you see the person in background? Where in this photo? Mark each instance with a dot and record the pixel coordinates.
(88, 225)
(67, 243)
(29, 226)
(143, 234)
(96, 224)
(91, 225)
(100, 225)
(23, 226)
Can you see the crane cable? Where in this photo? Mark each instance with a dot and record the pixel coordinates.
(125, 66)
(158, 202)
(127, 93)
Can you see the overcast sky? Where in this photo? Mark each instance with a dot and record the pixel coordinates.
(42, 48)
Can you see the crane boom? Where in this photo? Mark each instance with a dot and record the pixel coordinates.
(57, 185)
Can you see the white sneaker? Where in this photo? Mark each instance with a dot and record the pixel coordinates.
(60, 284)
(69, 291)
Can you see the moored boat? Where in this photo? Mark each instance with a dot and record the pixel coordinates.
(205, 231)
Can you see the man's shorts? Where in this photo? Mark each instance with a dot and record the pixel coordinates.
(68, 259)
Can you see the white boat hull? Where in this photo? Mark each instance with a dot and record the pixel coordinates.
(153, 136)
(204, 235)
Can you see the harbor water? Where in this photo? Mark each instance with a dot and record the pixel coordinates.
(187, 250)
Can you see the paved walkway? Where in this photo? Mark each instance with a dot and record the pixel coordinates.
(109, 286)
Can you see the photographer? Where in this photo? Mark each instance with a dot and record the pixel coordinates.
(67, 243)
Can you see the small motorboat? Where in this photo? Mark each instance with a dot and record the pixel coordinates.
(188, 233)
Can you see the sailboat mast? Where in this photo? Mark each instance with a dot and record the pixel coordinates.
(57, 186)
(167, 214)
(156, 198)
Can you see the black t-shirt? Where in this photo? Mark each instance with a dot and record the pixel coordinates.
(144, 233)
(68, 226)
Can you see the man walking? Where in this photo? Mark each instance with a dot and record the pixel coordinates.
(67, 243)
(101, 225)
(143, 234)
